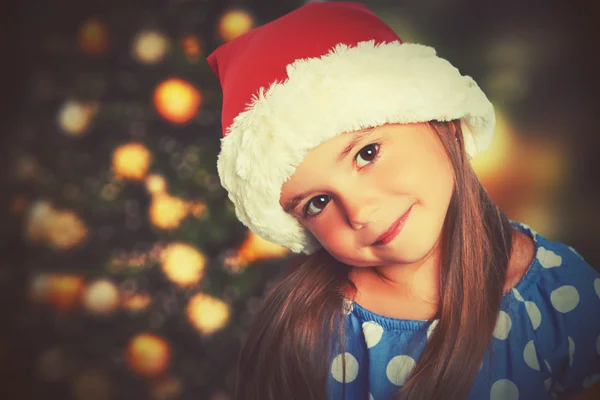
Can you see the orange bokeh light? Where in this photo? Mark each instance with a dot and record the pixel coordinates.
(177, 100)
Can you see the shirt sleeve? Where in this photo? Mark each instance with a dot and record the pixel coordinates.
(570, 337)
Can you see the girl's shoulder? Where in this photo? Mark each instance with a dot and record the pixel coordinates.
(556, 265)
(559, 297)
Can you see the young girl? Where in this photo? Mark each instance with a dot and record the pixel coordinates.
(346, 144)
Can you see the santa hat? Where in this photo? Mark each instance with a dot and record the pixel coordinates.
(319, 71)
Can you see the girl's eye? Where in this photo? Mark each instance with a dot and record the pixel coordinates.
(316, 205)
(366, 155)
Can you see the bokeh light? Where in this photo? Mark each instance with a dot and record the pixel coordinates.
(60, 229)
(150, 46)
(101, 297)
(93, 37)
(166, 211)
(148, 355)
(131, 161)
(255, 248)
(177, 101)
(155, 184)
(234, 23)
(64, 291)
(74, 117)
(192, 47)
(207, 314)
(183, 264)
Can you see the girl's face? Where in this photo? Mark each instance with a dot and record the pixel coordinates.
(352, 191)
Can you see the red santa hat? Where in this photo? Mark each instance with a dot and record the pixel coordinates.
(319, 71)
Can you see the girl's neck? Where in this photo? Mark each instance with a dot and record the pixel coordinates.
(411, 291)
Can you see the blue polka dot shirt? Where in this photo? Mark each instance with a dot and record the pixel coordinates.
(546, 341)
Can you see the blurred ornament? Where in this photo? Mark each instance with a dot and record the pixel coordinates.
(136, 302)
(192, 47)
(66, 230)
(148, 355)
(75, 117)
(255, 248)
(60, 229)
(52, 365)
(91, 385)
(177, 100)
(131, 161)
(155, 184)
(101, 297)
(109, 191)
(166, 211)
(65, 291)
(207, 314)
(93, 37)
(150, 46)
(199, 209)
(234, 23)
(167, 388)
(183, 264)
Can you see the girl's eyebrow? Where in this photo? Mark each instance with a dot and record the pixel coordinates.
(290, 205)
(358, 137)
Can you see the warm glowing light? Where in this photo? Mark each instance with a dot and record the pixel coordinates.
(207, 314)
(59, 229)
(235, 23)
(166, 211)
(75, 117)
(255, 248)
(101, 297)
(66, 230)
(64, 291)
(167, 388)
(148, 355)
(191, 46)
(155, 184)
(494, 159)
(177, 101)
(136, 302)
(131, 161)
(183, 264)
(93, 37)
(150, 47)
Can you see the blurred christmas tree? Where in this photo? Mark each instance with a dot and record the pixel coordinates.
(140, 281)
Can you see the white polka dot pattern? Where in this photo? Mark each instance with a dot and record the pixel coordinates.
(565, 298)
(503, 325)
(517, 294)
(398, 369)
(589, 382)
(530, 356)
(548, 366)
(431, 327)
(337, 369)
(548, 258)
(373, 332)
(504, 389)
(534, 314)
(571, 350)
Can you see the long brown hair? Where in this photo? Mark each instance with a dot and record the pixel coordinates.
(288, 350)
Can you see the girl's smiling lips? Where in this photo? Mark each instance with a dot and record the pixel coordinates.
(393, 230)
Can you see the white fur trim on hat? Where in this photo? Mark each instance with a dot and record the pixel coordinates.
(350, 88)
